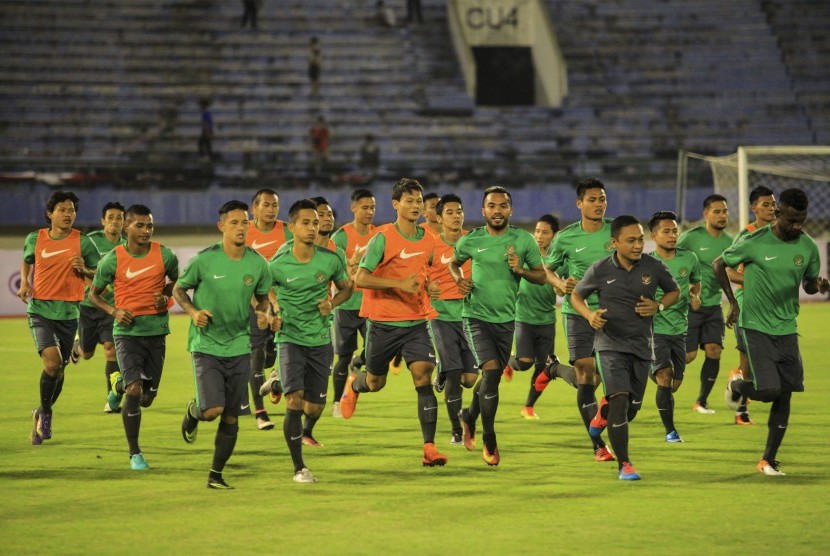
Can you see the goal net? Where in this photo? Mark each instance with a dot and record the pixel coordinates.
(778, 167)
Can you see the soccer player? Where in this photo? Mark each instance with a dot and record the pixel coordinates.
(670, 325)
(95, 326)
(266, 234)
(502, 255)
(706, 328)
(627, 283)
(777, 259)
(223, 278)
(301, 276)
(762, 203)
(59, 258)
(352, 238)
(393, 274)
(536, 324)
(458, 366)
(140, 274)
(573, 250)
(431, 222)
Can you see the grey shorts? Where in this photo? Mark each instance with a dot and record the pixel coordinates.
(305, 368)
(580, 337)
(222, 382)
(739, 338)
(490, 341)
(347, 324)
(775, 361)
(623, 372)
(384, 341)
(706, 326)
(94, 327)
(453, 349)
(670, 353)
(141, 358)
(53, 333)
(535, 340)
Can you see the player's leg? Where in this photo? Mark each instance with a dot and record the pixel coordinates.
(419, 352)
(317, 370)
(382, 343)
(236, 372)
(616, 372)
(542, 345)
(711, 330)
(346, 329)
(47, 335)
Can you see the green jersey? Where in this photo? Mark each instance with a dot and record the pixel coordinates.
(574, 251)
(738, 289)
(495, 286)
(536, 303)
(774, 270)
(224, 287)
(707, 248)
(685, 268)
(300, 287)
(104, 246)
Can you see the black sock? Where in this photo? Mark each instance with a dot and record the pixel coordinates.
(339, 376)
(257, 378)
(779, 417)
(131, 416)
(618, 427)
(308, 425)
(58, 387)
(109, 368)
(533, 395)
(292, 429)
(453, 398)
(586, 402)
(708, 376)
(427, 411)
(223, 445)
(665, 407)
(475, 404)
(360, 383)
(489, 401)
(48, 384)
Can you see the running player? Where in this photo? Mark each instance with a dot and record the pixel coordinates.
(352, 238)
(301, 278)
(223, 278)
(670, 325)
(627, 283)
(502, 255)
(777, 258)
(140, 274)
(95, 326)
(59, 258)
(393, 273)
(706, 328)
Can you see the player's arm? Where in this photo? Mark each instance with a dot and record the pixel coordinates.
(121, 316)
(25, 290)
(594, 318)
(345, 289)
(719, 267)
(200, 317)
(85, 263)
(694, 296)
(534, 275)
(368, 281)
(734, 276)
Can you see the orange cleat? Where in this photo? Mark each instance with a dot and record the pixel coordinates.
(604, 454)
(490, 459)
(468, 435)
(598, 423)
(507, 373)
(432, 456)
(542, 381)
(349, 400)
(529, 413)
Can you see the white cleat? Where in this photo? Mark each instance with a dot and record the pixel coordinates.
(769, 468)
(304, 476)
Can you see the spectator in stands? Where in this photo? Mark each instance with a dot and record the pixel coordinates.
(369, 156)
(320, 135)
(251, 7)
(315, 64)
(413, 10)
(385, 15)
(206, 137)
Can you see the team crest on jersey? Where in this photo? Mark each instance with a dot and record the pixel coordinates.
(609, 247)
(684, 271)
(248, 279)
(320, 277)
(798, 260)
(646, 278)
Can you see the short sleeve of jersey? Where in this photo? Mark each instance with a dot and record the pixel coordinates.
(694, 275)
(589, 284)
(461, 253)
(737, 254)
(532, 256)
(374, 252)
(266, 281)
(171, 263)
(814, 265)
(339, 274)
(89, 252)
(665, 279)
(340, 239)
(105, 273)
(192, 274)
(556, 257)
(29, 248)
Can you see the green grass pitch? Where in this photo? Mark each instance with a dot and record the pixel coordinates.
(75, 494)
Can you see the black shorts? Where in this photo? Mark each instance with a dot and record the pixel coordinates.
(347, 324)
(535, 340)
(259, 337)
(580, 337)
(141, 358)
(670, 353)
(775, 361)
(222, 382)
(453, 349)
(94, 327)
(53, 333)
(706, 326)
(490, 341)
(384, 342)
(623, 372)
(305, 368)
(739, 338)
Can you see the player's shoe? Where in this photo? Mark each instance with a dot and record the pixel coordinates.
(309, 441)
(529, 413)
(432, 456)
(603, 454)
(507, 373)
(44, 425)
(137, 462)
(190, 425)
(702, 409)
(348, 402)
(468, 435)
(108, 409)
(733, 399)
(439, 382)
(490, 459)
(73, 355)
(272, 388)
(456, 439)
(742, 418)
(218, 483)
(673, 437)
(34, 436)
(304, 476)
(263, 423)
(770, 468)
(395, 366)
(628, 473)
(598, 423)
(542, 380)
(335, 411)
(115, 396)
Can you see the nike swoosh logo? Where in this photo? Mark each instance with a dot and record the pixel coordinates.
(256, 245)
(289, 280)
(46, 254)
(430, 408)
(704, 248)
(490, 397)
(782, 426)
(245, 406)
(431, 355)
(296, 437)
(618, 425)
(587, 405)
(770, 258)
(451, 400)
(405, 255)
(637, 403)
(610, 281)
(153, 389)
(445, 260)
(130, 274)
(323, 395)
(133, 414)
(215, 277)
(485, 249)
(580, 249)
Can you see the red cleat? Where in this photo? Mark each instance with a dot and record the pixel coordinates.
(604, 454)
(432, 456)
(349, 400)
(507, 373)
(542, 381)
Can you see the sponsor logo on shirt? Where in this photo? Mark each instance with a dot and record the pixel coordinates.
(798, 260)
(256, 245)
(130, 274)
(445, 260)
(248, 279)
(646, 278)
(405, 255)
(683, 271)
(46, 254)
(320, 277)
(579, 249)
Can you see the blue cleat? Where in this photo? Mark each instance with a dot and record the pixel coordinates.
(673, 437)
(114, 397)
(44, 425)
(137, 462)
(628, 473)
